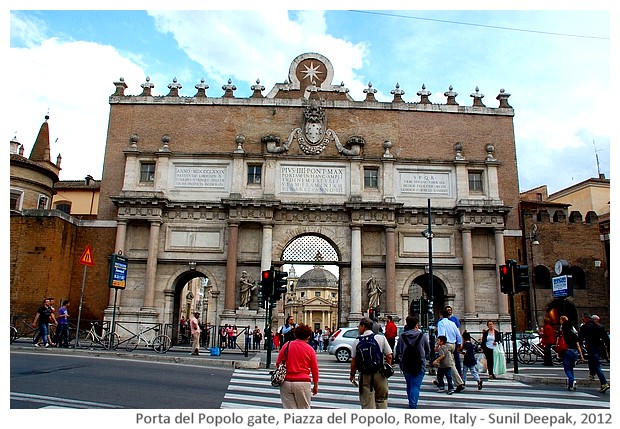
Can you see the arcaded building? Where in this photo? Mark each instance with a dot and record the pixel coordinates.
(214, 185)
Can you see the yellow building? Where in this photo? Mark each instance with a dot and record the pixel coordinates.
(79, 198)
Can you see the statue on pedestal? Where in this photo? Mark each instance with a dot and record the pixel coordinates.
(247, 286)
(374, 292)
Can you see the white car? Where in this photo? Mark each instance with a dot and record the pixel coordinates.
(341, 343)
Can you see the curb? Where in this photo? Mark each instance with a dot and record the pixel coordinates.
(207, 361)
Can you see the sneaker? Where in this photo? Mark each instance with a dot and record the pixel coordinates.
(435, 382)
(604, 388)
(572, 386)
(47, 344)
(441, 390)
(460, 388)
(591, 377)
(479, 384)
(450, 392)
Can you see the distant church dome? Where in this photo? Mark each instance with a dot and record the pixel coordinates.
(317, 277)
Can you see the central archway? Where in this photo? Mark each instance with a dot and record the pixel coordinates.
(313, 295)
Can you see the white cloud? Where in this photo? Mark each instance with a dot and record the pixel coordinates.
(29, 32)
(255, 44)
(73, 80)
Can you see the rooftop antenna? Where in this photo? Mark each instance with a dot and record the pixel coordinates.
(598, 166)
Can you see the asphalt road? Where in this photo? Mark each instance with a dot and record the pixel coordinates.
(39, 380)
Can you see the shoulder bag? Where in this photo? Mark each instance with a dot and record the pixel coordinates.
(279, 374)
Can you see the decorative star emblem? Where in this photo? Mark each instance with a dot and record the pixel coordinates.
(312, 72)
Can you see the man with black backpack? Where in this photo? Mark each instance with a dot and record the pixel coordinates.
(412, 350)
(369, 355)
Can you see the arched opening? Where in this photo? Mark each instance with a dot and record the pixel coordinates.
(313, 295)
(579, 276)
(420, 289)
(542, 277)
(190, 295)
(562, 307)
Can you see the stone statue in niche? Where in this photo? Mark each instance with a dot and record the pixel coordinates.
(374, 292)
(247, 286)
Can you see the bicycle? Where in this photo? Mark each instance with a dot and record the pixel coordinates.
(160, 343)
(13, 334)
(91, 337)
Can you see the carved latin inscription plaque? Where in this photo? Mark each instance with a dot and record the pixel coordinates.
(312, 179)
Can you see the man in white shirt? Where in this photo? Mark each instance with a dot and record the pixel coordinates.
(454, 340)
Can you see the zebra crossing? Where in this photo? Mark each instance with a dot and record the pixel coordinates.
(251, 388)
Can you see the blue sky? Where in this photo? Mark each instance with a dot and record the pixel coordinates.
(66, 61)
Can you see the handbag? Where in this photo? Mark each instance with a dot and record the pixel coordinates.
(560, 346)
(387, 370)
(279, 374)
(499, 360)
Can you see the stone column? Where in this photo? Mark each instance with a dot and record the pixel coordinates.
(231, 267)
(390, 269)
(267, 247)
(468, 272)
(502, 299)
(151, 265)
(356, 273)
(119, 246)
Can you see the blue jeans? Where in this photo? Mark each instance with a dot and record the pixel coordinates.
(594, 365)
(568, 362)
(444, 372)
(414, 385)
(42, 334)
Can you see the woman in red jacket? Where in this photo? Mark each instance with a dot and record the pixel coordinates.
(548, 340)
(300, 360)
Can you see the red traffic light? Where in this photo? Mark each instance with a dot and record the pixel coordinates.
(503, 269)
(266, 275)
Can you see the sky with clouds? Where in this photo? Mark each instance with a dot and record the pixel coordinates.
(554, 63)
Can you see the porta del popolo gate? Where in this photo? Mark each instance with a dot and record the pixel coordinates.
(212, 186)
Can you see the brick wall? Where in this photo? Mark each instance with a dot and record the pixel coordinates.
(45, 250)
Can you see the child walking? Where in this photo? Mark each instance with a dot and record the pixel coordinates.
(469, 360)
(443, 364)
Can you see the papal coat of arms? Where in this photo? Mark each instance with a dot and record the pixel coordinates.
(312, 139)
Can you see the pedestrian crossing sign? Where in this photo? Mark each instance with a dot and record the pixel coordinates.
(87, 257)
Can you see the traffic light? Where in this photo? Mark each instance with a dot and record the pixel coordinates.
(261, 298)
(371, 314)
(279, 284)
(505, 278)
(522, 278)
(266, 285)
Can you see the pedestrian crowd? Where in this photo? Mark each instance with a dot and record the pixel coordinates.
(452, 357)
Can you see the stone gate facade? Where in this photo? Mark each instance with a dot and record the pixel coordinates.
(211, 186)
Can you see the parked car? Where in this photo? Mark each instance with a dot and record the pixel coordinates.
(341, 343)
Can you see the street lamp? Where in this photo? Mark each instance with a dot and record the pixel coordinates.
(428, 234)
(534, 241)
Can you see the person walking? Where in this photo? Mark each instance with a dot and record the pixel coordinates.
(596, 340)
(412, 351)
(548, 340)
(368, 354)
(391, 331)
(573, 351)
(457, 350)
(63, 325)
(454, 341)
(444, 363)
(469, 360)
(490, 339)
(42, 318)
(194, 325)
(326, 334)
(288, 330)
(301, 363)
